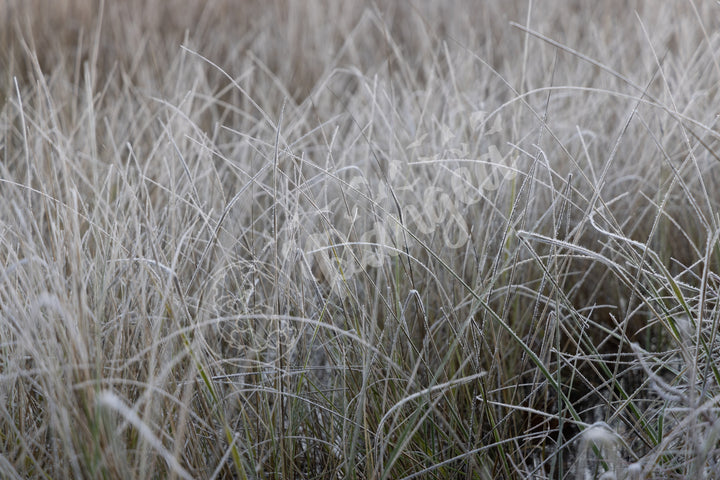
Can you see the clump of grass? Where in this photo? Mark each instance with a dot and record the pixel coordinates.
(350, 240)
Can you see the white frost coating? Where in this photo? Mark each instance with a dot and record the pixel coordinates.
(109, 399)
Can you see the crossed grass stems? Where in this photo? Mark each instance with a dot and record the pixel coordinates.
(171, 333)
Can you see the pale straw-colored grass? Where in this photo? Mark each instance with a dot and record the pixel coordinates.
(346, 239)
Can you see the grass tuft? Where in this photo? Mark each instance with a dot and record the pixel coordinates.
(322, 239)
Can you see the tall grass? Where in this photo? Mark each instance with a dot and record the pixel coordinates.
(359, 239)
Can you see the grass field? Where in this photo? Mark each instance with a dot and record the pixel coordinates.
(366, 240)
